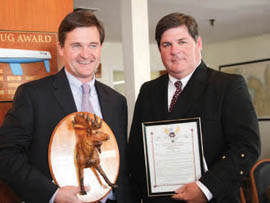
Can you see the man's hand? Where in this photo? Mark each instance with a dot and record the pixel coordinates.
(190, 193)
(67, 194)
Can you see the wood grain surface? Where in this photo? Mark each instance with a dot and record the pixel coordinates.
(62, 159)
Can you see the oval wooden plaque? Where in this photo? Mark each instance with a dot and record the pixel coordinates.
(67, 139)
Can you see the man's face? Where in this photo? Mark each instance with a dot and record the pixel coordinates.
(81, 52)
(180, 53)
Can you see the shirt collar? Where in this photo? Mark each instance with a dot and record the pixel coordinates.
(184, 80)
(74, 82)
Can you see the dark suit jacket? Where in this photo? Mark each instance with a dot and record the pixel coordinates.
(25, 134)
(229, 128)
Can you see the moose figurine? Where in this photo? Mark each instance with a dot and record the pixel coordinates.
(88, 146)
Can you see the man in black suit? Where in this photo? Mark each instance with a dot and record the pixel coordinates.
(229, 124)
(39, 105)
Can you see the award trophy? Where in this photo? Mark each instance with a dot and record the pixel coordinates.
(83, 152)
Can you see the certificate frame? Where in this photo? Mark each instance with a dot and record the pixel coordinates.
(164, 156)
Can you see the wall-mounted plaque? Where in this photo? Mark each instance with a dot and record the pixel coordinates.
(25, 56)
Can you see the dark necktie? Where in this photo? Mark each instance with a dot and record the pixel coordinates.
(178, 85)
(86, 104)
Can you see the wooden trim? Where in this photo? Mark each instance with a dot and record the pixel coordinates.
(242, 196)
(255, 198)
(33, 15)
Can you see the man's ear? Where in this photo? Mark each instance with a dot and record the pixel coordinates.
(199, 43)
(60, 49)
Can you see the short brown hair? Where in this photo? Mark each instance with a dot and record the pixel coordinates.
(79, 18)
(175, 20)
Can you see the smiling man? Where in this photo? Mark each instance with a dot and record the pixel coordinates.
(230, 134)
(81, 52)
(180, 53)
(39, 105)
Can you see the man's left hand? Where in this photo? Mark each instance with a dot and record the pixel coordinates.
(190, 193)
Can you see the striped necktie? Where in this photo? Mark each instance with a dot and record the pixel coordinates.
(86, 104)
(178, 85)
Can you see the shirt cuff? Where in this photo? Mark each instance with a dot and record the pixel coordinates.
(205, 190)
(110, 196)
(53, 197)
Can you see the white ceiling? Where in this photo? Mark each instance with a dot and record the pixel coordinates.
(233, 18)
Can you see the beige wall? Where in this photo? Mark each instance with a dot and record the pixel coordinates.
(240, 50)
(111, 59)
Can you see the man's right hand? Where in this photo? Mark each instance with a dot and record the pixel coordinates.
(67, 194)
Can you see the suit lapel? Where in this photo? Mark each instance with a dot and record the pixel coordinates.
(104, 101)
(163, 89)
(157, 99)
(191, 93)
(62, 92)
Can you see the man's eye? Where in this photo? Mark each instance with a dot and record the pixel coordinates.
(182, 42)
(93, 46)
(166, 45)
(75, 45)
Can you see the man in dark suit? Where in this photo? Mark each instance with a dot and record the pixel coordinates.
(39, 105)
(229, 124)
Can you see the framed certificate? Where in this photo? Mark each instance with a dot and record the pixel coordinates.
(173, 154)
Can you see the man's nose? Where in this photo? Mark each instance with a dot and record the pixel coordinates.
(85, 52)
(175, 49)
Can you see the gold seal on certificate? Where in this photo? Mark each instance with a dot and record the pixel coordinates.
(173, 154)
(83, 152)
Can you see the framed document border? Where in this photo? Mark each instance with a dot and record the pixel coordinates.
(146, 154)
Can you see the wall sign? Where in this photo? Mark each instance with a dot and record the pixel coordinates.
(25, 56)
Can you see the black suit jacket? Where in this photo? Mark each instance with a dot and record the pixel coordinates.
(25, 134)
(229, 128)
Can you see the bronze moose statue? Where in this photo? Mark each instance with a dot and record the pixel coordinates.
(88, 146)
